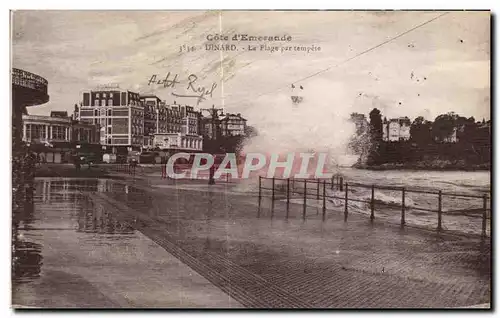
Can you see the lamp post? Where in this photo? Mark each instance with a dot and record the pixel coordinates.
(214, 112)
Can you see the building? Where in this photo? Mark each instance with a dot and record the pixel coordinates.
(396, 129)
(451, 138)
(132, 121)
(232, 125)
(119, 114)
(210, 127)
(190, 119)
(55, 137)
(154, 118)
(176, 142)
(182, 130)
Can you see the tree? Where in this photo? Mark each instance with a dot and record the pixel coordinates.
(251, 131)
(444, 125)
(376, 125)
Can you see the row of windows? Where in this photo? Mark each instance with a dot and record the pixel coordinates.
(103, 102)
(34, 131)
(137, 130)
(109, 102)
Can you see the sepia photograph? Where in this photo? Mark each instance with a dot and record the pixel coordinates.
(251, 159)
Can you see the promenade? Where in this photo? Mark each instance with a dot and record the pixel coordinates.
(141, 241)
(273, 263)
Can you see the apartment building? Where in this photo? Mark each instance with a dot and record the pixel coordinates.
(118, 113)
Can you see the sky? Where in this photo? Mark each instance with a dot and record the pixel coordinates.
(439, 67)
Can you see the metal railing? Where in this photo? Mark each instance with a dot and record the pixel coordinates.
(302, 188)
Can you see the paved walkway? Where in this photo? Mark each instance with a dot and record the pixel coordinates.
(271, 262)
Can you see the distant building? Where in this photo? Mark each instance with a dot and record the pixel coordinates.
(396, 129)
(54, 138)
(451, 138)
(174, 142)
(210, 127)
(153, 120)
(50, 129)
(182, 130)
(132, 121)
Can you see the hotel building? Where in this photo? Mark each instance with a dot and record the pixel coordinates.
(119, 115)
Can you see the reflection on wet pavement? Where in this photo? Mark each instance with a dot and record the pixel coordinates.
(69, 252)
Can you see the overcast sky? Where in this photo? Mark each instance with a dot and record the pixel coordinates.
(449, 59)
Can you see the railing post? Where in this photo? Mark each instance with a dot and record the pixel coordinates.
(287, 196)
(372, 204)
(346, 199)
(260, 195)
(272, 204)
(341, 183)
(317, 190)
(293, 185)
(485, 205)
(333, 178)
(403, 207)
(439, 228)
(324, 200)
(305, 200)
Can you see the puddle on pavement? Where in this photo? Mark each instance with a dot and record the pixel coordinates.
(61, 206)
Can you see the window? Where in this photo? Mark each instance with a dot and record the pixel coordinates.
(96, 113)
(103, 102)
(109, 130)
(86, 99)
(96, 102)
(97, 95)
(109, 121)
(28, 132)
(110, 95)
(110, 102)
(104, 95)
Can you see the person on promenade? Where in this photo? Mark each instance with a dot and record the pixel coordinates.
(211, 179)
(77, 163)
(133, 165)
